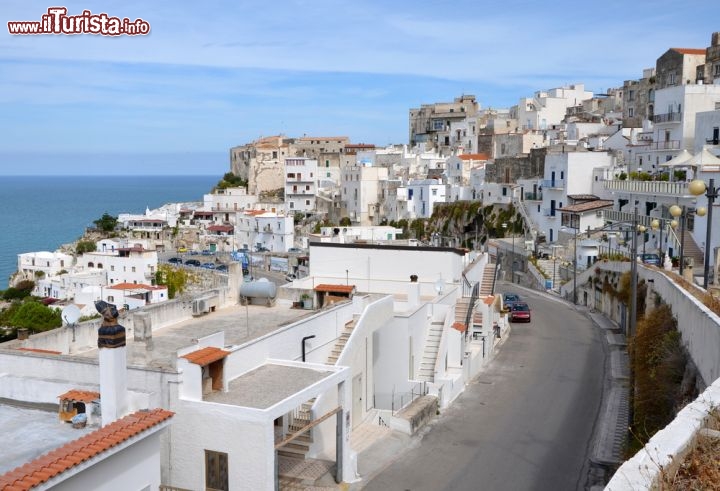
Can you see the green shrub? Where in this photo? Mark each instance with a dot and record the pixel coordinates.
(36, 316)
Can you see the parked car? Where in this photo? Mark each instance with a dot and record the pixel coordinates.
(206, 253)
(653, 259)
(175, 260)
(510, 298)
(519, 312)
(192, 262)
(222, 268)
(261, 249)
(182, 249)
(208, 265)
(295, 250)
(290, 277)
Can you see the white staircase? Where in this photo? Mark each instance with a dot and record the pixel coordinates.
(429, 358)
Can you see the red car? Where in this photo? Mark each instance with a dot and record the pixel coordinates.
(519, 312)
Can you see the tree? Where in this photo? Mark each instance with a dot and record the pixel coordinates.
(22, 290)
(36, 316)
(106, 223)
(345, 222)
(230, 180)
(175, 279)
(84, 246)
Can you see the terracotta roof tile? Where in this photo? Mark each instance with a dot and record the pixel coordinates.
(459, 326)
(135, 286)
(335, 288)
(474, 156)
(206, 355)
(38, 350)
(86, 447)
(587, 206)
(690, 51)
(80, 395)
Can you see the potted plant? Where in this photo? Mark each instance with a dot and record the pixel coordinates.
(306, 300)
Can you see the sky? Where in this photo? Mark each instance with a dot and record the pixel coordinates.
(211, 75)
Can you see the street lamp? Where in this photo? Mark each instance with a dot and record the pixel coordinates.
(633, 273)
(554, 273)
(696, 188)
(657, 225)
(642, 229)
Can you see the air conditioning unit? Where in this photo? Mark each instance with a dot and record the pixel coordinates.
(199, 307)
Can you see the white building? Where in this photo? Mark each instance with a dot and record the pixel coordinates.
(422, 195)
(264, 230)
(301, 177)
(34, 265)
(458, 167)
(707, 131)
(674, 123)
(131, 296)
(348, 235)
(225, 203)
(362, 191)
(566, 173)
(123, 265)
(546, 108)
(67, 286)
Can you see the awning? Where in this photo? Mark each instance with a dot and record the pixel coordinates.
(680, 160)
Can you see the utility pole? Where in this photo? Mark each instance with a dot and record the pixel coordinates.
(633, 279)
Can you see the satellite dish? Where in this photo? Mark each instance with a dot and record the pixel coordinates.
(70, 315)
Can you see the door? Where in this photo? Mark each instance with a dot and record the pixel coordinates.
(357, 395)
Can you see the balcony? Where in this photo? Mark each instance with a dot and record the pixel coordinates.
(665, 145)
(553, 184)
(660, 188)
(667, 118)
(533, 196)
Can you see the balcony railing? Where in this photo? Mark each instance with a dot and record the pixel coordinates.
(553, 184)
(667, 117)
(678, 188)
(666, 145)
(533, 196)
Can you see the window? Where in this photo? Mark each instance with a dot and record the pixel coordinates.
(133, 269)
(111, 298)
(307, 202)
(216, 470)
(716, 73)
(631, 112)
(631, 95)
(112, 268)
(274, 155)
(327, 175)
(292, 205)
(434, 192)
(327, 163)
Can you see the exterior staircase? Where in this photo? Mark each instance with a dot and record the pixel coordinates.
(692, 250)
(429, 358)
(551, 270)
(302, 417)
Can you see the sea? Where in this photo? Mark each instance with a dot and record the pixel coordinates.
(41, 213)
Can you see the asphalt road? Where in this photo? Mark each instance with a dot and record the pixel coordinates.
(525, 423)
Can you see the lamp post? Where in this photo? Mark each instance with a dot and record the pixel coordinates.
(642, 229)
(575, 256)
(696, 188)
(633, 279)
(554, 274)
(658, 226)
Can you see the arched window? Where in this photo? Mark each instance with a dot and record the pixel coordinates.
(100, 266)
(91, 265)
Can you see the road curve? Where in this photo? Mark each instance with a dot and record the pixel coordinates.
(525, 423)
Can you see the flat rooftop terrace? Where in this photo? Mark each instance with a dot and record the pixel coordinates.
(240, 324)
(278, 382)
(30, 433)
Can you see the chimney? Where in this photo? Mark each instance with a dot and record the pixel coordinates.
(413, 291)
(113, 364)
